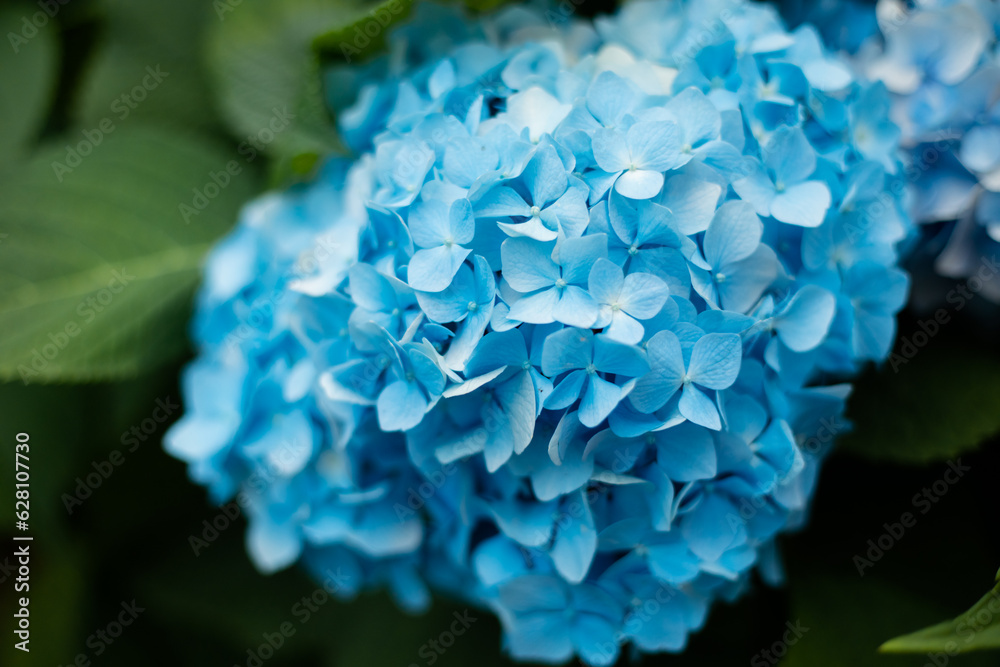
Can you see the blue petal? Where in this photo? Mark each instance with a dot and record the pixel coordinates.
(576, 540)
(605, 281)
(804, 204)
(545, 176)
(748, 279)
(699, 408)
(571, 473)
(708, 528)
(567, 391)
(578, 255)
(431, 269)
(370, 289)
(806, 319)
(503, 348)
(599, 399)
(666, 361)
(610, 150)
(428, 223)
(790, 156)
(654, 146)
(596, 640)
(672, 562)
(452, 303)
(400, 406)
(575, 307)
(639, 184)
(609, 97)
(697, 116)
(501, 202)
(715, 360)
(537, 308)
(528, 523)
(643, 295)
(618, 358)
(567, 350)
(734, 234)
(427, 372)
(527, 264)
(517, 399)
(461, 223)
(756, 188)
(273, 546)
(686, 453)
(692, 201)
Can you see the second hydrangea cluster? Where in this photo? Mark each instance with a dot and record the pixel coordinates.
(569, 339)
(940, 60)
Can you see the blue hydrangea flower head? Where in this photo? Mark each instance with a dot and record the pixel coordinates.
(586, 293)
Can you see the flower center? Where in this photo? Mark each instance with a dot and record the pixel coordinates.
(633, 250)
(473, 306)
(561, 283)
(535, 211)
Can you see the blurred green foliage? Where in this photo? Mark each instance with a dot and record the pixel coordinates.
(112, 514)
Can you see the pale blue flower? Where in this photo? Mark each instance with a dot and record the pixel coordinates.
(712, 363)
(780, 185)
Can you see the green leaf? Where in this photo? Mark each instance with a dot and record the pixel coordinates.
(365, 36)
(840, 621)
(976, 629)
(27, 77)
(139, 37)
(266, 78)
(941, 403)
(98, 269)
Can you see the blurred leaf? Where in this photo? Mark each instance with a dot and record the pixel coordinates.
(99, 268)
(976, 629)
(266, 78)
(842, 620)
(365, 35)
(941, 403)
(164, 37)
(28, 74)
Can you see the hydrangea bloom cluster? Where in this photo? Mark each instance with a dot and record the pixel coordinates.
(569, 339)
(940, 60)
